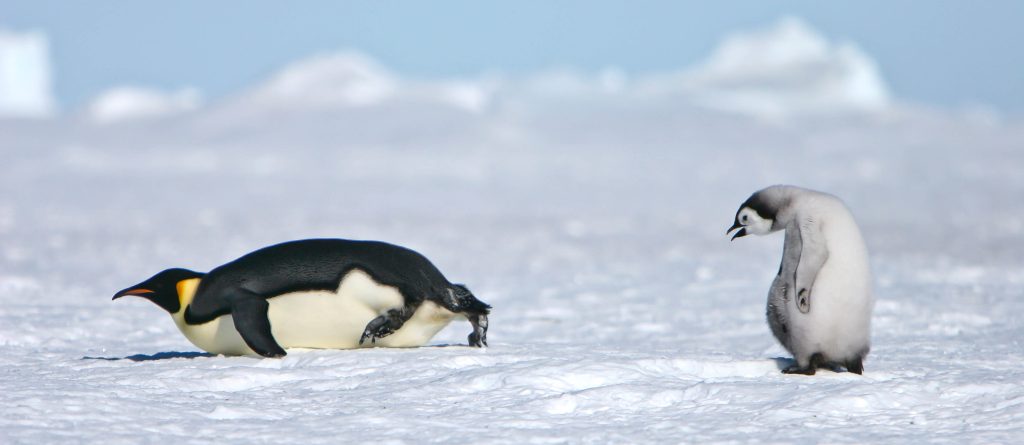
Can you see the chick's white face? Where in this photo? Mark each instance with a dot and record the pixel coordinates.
(753, 223)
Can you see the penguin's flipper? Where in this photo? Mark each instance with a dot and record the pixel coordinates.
(387, 324)
(813, 254)
(250, 317)
(790, 261)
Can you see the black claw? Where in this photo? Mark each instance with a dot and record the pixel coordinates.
(374, 333)
(368, 336)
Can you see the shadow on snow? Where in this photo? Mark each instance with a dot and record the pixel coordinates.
(191, 354)
(157, 356)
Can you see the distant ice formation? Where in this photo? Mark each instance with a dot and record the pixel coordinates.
(786, 69)
(351, 80)
(783, 71)
(341, 79)
(25, 76)
(129, 103)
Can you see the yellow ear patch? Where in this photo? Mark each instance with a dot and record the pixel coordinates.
(186, 291)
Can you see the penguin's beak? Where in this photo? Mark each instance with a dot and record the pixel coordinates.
(735, 226)
(740, 234)
(135, 291)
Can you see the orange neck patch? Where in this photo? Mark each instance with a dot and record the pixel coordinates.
(186, 291)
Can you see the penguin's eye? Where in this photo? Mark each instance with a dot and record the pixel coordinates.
(743, 219)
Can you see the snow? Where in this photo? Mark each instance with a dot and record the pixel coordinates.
(127, 103)
(345, 81)
(25, 79)
(342, 79)
(785, 70)
(592, 222)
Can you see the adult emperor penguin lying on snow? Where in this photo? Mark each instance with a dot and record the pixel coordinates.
(819, 306)
(318, 293)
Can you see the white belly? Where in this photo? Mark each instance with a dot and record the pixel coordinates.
(324, 319)
(839, 323)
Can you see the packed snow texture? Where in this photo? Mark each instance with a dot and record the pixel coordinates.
(594, 223)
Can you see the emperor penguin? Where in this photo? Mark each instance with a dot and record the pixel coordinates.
(819, 306)
(315, 293)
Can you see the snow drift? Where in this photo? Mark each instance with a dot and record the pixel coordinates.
(123, 104)
(786, 70)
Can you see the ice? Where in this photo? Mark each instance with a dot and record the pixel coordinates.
(785, 70)
(340, 79)
(26, 88)
(125, 103)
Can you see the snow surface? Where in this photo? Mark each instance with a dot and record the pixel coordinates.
(593, 223)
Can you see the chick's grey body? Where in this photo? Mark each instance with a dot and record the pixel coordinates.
(820, 302)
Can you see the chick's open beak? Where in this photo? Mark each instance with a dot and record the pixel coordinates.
(740, 234)
(735, 226)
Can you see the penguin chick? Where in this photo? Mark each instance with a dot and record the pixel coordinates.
(820, 303)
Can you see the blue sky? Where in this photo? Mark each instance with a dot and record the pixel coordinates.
(947, 53)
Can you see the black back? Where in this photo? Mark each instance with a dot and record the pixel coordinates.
(314, 265)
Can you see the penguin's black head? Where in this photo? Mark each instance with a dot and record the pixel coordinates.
(161, 288)
(755, 216)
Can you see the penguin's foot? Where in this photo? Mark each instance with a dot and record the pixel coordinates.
(816, 361)
(855, 366)
(386, 324)
(478, 337)
(796, 369)
(377, 328)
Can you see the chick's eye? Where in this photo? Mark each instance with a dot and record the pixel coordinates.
(743, 219)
